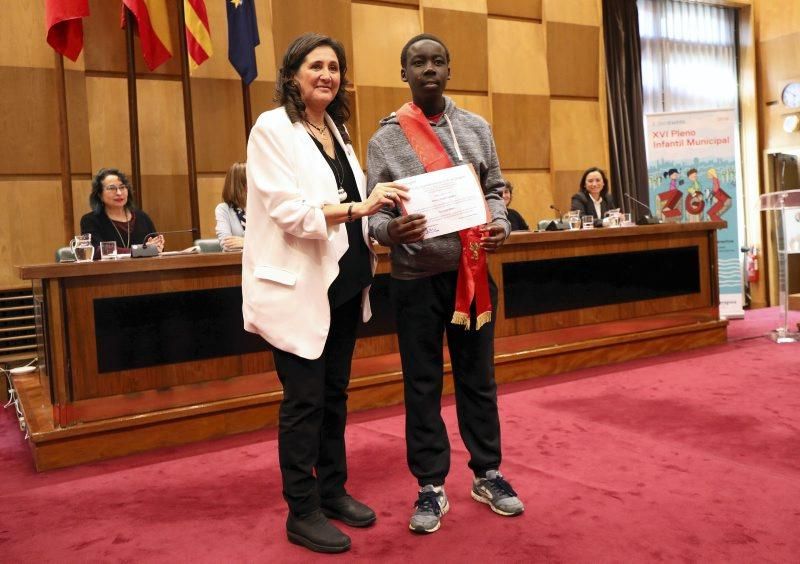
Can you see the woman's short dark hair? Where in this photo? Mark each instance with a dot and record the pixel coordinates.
(587, 172)
(509, 187)
(421, 37)
(96, 197)
(234, 193)
(287, 92)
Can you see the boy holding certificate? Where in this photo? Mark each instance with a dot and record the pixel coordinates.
(441, 284)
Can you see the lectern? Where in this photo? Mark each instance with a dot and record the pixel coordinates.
(785, 209)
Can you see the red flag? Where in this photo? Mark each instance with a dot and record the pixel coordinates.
(198, 33)
(153, 27)
(64, 25)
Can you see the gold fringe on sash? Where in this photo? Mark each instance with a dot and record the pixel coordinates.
(483, 319)
(460, 318)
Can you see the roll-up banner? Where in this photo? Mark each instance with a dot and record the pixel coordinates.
(693, 172)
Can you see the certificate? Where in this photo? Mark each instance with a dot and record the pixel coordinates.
(451, 199)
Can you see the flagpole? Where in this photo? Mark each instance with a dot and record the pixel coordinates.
(188, 121)
(133, 110)
(248, 111)
(64, 152)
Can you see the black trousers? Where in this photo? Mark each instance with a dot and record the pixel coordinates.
(423, 309)
(313, 414)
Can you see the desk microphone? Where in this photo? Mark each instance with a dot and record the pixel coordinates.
(647, 219)
(141, 251)
(557, 224)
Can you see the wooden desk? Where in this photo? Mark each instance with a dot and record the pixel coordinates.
(132, 357)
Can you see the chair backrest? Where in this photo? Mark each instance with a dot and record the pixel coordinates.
(65, 254)
(208, 245)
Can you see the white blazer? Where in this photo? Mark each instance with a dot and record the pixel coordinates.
(291, 256)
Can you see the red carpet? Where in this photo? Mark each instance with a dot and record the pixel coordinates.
(691, 457)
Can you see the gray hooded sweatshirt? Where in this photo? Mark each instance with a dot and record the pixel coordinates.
(467, 138)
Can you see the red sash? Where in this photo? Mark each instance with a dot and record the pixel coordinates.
(473, 273)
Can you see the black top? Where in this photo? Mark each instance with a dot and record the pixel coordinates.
(355, 271)
(101, 228)
(517, 221)
(582, 202)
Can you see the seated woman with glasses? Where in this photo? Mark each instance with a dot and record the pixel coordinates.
(113, 216)
(230, 214)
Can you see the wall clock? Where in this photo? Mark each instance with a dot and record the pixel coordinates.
(791, 95)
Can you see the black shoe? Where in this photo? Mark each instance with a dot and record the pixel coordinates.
(348, 510)
(316, 533)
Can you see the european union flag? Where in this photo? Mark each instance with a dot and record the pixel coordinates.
(243, 37)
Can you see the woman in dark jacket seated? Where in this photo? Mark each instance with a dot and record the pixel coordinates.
(113, 217)
(514, 217)
(593, 198)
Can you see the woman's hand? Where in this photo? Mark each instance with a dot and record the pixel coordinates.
(158, 241)
(232, 243)
(384, 194)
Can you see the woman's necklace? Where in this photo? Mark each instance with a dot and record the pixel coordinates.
(127, 244)
(323, 131)
(338, 168)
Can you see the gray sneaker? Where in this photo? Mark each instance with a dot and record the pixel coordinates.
(498, 494)
(429, 509)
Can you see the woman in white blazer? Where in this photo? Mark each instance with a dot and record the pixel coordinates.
(230, 214)
(306, 271)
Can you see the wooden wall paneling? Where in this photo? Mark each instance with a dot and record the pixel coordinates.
(29, 143)
(103, 39)
(266, 57)
(78, 120)
(565, 184)
(262, 97)
(573, 59)
(532, 195)
(780, 63)
(30, 225)
(20, 24)
(291, 18)
(217, 113)
(376, 48)
(165, 198)
(584, 12)
(576, 134)
(375, 103)
(481, 105)
(532, 9)
(777, 18)
(209, 194)
(402, 2)
(517, 57)
(161, 127)
(109, 130)
(521, 126)
(478, 6)
(465, 34)
(81, 188)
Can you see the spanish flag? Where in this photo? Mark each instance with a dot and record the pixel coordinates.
(153, 27)
(65, 26)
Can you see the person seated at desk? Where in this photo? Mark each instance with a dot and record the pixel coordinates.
(514, 217)
(230, 213)
(114, 217)
(593, 198)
